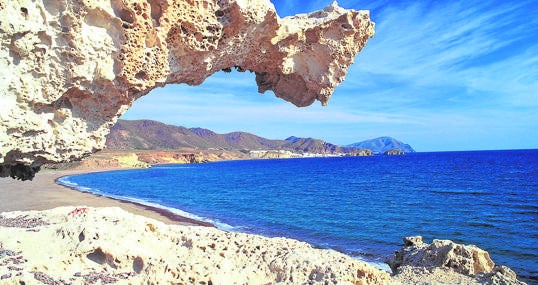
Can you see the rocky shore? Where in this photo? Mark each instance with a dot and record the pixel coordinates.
(80, 245)
(83, 245)
(446, 262)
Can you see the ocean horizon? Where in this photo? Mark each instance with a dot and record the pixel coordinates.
(361, 206)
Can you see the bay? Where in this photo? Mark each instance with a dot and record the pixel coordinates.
(361, 206)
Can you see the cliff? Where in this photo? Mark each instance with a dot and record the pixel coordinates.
(70, 68)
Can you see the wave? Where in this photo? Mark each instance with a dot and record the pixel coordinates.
(220, 225)
(73, 185)
(66, 182)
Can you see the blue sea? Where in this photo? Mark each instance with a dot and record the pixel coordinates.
(361, 206)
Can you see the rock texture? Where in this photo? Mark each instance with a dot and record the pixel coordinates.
(446, 262)
(70, 68)
(71, 245)
(81, 245)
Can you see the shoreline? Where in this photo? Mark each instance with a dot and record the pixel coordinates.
(44, 192)
(100, 200)
(182, 220)
(108, 235)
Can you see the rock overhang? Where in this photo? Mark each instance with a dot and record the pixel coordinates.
(71, 68)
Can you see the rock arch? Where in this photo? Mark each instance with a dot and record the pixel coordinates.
(69, 69)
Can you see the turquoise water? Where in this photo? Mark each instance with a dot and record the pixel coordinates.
(358, 205)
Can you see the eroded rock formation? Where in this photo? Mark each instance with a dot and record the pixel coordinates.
(112, 244)
(70, 68)
(446, 262)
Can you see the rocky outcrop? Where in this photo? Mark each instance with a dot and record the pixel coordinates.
(142, 159)
(394, 152)
(109, 244)
(362, 152)
(70, 68)
(167, 157)
(131, 161)
(446, 262)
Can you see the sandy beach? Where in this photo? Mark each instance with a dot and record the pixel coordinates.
(42, 193)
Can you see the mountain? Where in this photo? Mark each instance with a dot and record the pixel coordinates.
(236, 140)
(383, 144)
(315, 146)
(153, 135)
(147, 134)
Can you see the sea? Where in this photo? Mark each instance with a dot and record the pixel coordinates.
(361, 206)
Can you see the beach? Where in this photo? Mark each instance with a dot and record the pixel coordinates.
(43, 193)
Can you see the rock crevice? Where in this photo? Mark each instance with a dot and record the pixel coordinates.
(71, 68)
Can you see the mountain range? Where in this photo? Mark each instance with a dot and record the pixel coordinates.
(153, 135)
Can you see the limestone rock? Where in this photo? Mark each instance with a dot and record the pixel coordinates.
(111, 244)
(70, 68)
(466, 259)
(500, 275)
(446, 262)
(414, 240)
(131, 160)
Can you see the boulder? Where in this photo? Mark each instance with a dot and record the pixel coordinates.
(465, 259)
(447, 262)
(413, 240)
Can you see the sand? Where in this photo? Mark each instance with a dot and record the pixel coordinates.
(42, 193)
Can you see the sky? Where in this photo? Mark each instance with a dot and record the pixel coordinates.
(438, 75)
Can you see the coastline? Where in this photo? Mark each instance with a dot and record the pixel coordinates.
(45, 193)
(130, 242)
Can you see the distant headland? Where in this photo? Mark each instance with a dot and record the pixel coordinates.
(142, 143)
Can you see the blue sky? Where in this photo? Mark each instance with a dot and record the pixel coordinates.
(439, 75)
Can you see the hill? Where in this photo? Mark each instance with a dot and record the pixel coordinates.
(153, 135)
(236, 140)
(315, 146)
(383, 144)
(147, 134)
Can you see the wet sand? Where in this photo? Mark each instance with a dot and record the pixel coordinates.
(42, 193)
